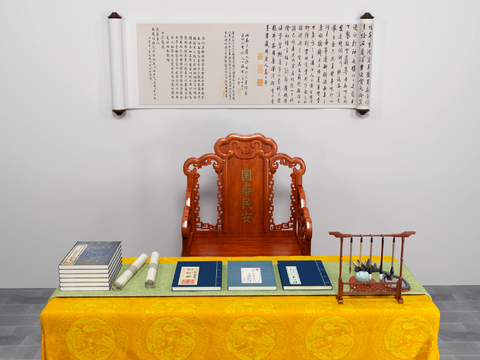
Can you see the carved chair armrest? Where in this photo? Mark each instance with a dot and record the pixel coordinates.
(304, 227)
(306, 223)
(301, 196)
(186, 218)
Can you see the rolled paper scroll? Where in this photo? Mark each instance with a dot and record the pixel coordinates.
(364, 63)
(127, 275)
(115, 32)
(152, 270)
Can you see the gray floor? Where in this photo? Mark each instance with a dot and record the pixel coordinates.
(20, 332)
(459, 337)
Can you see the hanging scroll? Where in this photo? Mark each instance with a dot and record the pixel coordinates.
(276, 64)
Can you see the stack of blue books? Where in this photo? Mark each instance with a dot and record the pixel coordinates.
(90, 265)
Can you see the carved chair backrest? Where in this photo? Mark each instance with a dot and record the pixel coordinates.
(245, 166)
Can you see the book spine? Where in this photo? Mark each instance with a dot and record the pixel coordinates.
(319, 268)
(218, 278)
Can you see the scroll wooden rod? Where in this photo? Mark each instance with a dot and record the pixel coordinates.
(404, 234)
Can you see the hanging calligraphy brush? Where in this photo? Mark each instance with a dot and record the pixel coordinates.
(361, 245)
(393, 253)
(370, 260)
(381, 261)
(391, 278)
(351, 246)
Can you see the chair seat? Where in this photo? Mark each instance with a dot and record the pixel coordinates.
(209, 244)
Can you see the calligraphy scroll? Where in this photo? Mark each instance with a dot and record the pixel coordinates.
(274, 64)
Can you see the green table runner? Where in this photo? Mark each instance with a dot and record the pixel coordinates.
(163, 287)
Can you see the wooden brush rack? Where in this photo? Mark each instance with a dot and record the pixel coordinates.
(373, 287)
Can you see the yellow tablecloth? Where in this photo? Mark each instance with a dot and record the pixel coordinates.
(240, 328)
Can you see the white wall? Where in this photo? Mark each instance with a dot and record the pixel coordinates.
(71, 170)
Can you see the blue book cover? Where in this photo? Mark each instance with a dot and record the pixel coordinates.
(251, 275)
(303, 275)
(91, 255)
(197, 276)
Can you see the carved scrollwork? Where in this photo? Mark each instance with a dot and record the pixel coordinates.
(373, 287)
(190, 168)
(286, 225)
(205, 160)
(196, 199)
(220, 202)
(296, 204)
(295, 163)
(245, 146)
(271, 207)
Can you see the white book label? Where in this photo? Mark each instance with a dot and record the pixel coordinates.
(251, 276)
(189, 275)
(73, 255)
(293, 275)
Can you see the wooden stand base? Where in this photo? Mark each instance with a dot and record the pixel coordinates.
(370, 288)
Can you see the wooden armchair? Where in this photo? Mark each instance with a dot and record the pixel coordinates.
(245, 166)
